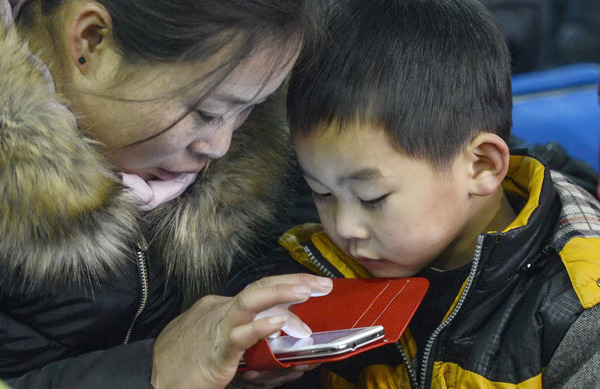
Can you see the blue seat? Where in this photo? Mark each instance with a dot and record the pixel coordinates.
(560, 105)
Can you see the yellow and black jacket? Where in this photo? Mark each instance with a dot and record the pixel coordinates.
(531, 293)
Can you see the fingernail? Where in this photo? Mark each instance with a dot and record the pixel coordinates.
(327, 282)
(302, 290)
(307, 328)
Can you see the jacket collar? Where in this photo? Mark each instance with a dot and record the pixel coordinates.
(504, 253)
(557, 217)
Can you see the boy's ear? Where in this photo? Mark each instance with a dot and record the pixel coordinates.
(87, 37)
(489, 157)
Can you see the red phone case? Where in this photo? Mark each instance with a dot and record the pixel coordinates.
(353, 303)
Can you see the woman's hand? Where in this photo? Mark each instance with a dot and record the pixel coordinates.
(202, 347)
(271, 378)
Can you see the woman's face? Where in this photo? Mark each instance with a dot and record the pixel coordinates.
(133, 133)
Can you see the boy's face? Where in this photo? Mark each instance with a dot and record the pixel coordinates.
(392, 213)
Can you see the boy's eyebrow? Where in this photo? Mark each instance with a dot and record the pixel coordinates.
(365, 174)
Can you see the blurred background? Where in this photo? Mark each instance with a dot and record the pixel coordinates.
(555, 48)
(544, 34)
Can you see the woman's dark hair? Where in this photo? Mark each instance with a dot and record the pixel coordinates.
(431, 73)
(154, 31)
(169, 31)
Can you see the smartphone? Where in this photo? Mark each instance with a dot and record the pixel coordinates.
(323, 344)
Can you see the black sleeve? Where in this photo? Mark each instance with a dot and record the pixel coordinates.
(123, 367)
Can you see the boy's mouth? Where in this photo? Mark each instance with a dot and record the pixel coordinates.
(369, 262)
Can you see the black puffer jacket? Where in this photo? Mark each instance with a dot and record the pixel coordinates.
(70, 321)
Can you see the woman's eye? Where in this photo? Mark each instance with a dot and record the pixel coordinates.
(375, 203)
(209, 119)
(320, 197)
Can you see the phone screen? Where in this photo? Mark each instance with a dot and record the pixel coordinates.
(289, 343)
(322, 344)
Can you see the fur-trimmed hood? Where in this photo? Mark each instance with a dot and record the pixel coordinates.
(64, 216)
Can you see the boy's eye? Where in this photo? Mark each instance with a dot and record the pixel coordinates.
(375, 203)
(319, 197)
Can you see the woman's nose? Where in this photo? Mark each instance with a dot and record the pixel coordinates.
(215, 144)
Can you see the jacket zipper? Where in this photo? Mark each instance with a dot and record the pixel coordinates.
(411, 371)
(143, 268)
(430, 342)
(313, 259)
(412, 374)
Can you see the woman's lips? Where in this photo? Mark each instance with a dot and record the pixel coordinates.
(166, 175)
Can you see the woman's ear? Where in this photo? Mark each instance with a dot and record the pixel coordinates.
(489, 155)
(87, 37)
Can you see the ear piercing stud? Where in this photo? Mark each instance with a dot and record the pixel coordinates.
(81, 60)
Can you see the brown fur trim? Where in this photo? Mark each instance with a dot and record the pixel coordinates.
(62, 218)
(200, 233)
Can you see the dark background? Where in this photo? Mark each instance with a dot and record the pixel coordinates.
(543, 34)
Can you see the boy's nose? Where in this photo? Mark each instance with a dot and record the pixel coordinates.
(348, 224)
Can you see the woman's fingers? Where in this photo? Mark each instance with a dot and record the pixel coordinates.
(271, 378)
(259, 299)
(272, 296)
(281, 290)
(246, 335)
(293, 325)
(266, 379)
(319, 286)
(203, 346)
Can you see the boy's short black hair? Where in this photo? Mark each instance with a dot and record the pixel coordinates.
(432, 73)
